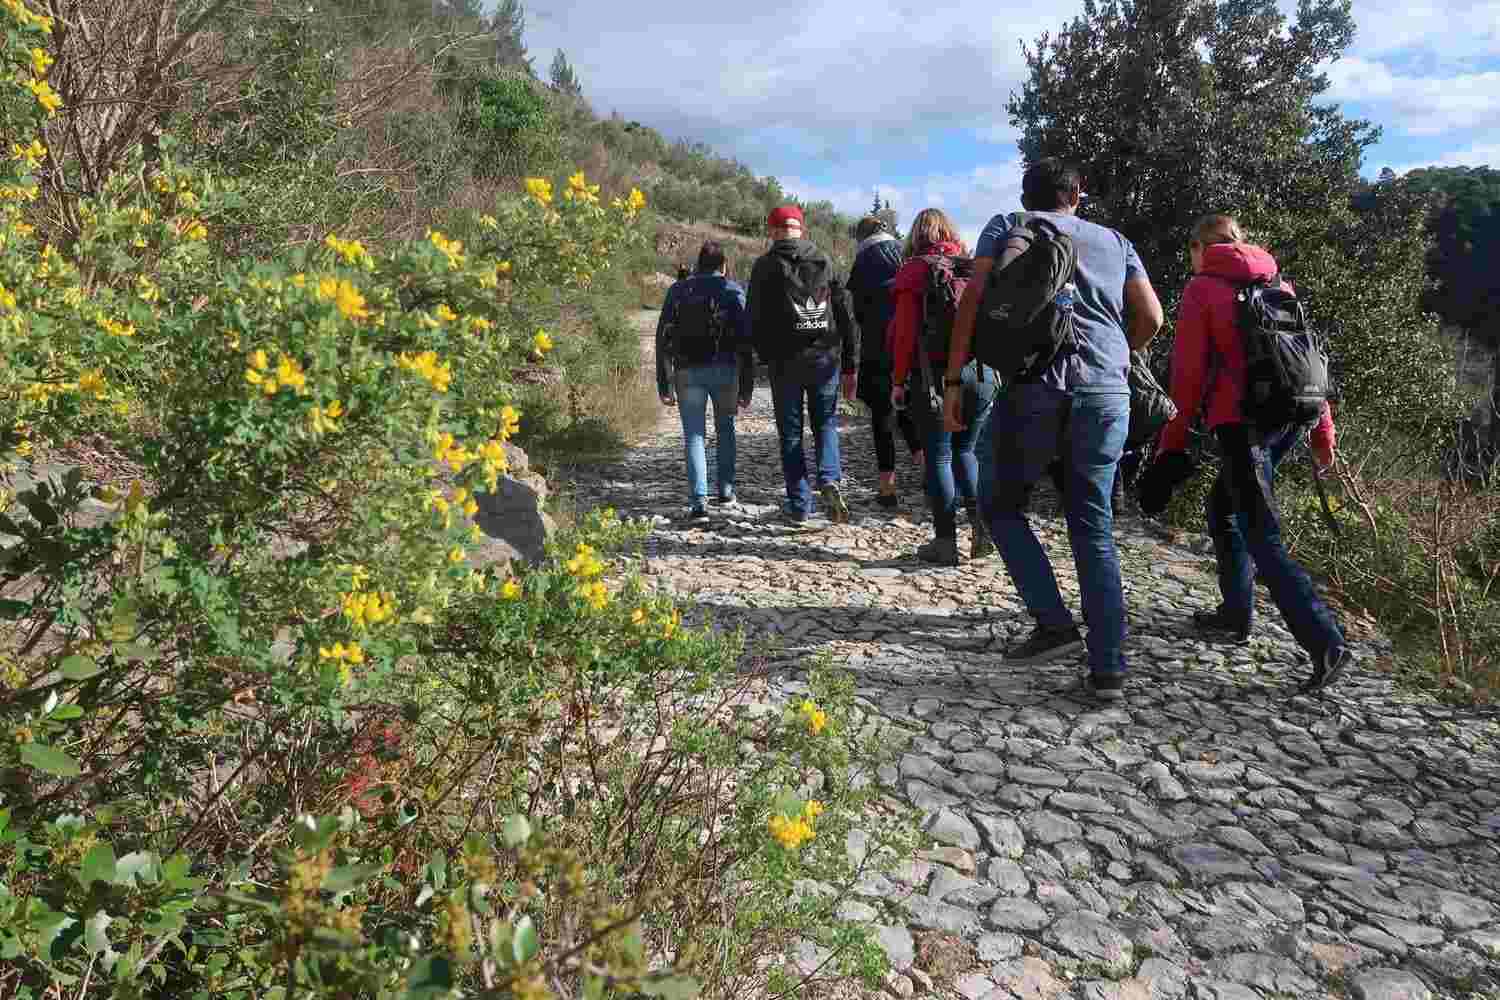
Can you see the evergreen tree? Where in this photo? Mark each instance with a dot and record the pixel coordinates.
(564, 80)
(509, 28)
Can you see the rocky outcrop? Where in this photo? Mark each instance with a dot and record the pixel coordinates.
(512, 518)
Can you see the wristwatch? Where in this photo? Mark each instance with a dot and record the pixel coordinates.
(953, 380)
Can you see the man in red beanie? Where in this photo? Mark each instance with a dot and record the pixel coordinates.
(803, 327)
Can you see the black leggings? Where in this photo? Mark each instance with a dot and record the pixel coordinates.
(885, 419)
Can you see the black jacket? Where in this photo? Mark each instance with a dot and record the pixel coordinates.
(869, 286)
(776, 339)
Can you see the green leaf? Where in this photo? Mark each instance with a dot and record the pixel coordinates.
(38, 508)
(14, 610)
(50, 759)
(437, 869)
(516, 830)
(98, 865)
(593, 987)
(78, 667)
(430, 977)
(672, 988)
(65, 713)
(347, 877)
(525, 944)
(136, 651)
(137, 868)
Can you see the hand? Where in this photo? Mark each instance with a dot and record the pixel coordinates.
(898, 396)
(849, 381)
(669, 399)
(1158, 482)
(952, 412)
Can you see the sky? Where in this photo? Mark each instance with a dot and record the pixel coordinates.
(840, 98)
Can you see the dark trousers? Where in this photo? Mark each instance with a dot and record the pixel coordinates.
(885, 419)
(1246, 530)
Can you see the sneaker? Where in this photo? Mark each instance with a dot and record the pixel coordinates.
(1327, 671)
(943, 551)
(723, 498)
(1220, 620)
(1105, 687)
(981, 546)
(888, 500)
(1045, 644)
(794, 518)
(833, 501)
(698, 513)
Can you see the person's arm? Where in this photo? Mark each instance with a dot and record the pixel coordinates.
(849, 335)
(1322, 440)
(901, 335)
(740, 317)
(1143, 311)
(756, 305)
(1192, 353)
(663, 348)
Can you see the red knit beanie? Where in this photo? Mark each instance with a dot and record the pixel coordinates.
(781, 216)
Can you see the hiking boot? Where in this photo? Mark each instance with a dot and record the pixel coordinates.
(698, 514)
(1105, 687)
(1045, 644)
(834, 503)
(794, 518)
(724, 499)
(1221, 620)
(943, 551)
(1327, 671)
(981, 546)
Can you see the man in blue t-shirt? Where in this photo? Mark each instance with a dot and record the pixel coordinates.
(1079, 411)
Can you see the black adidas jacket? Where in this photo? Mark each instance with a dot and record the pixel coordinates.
(775, 335)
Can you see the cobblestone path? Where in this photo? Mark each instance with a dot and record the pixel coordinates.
(1214, 836)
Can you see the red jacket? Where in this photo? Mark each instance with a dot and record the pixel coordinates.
(906, 313)
(1208, 358)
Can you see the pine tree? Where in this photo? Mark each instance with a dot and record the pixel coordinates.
(509, 28)
(564, 80)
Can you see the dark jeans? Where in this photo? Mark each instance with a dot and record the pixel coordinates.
(952, 467)
(885, 419)
(1245, 526)
(818, 383)
(1032, 424)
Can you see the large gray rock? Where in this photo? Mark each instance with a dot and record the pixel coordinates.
(512, 517)
(1093, 939)
(1389, 984)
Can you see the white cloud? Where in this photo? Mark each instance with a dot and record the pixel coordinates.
(1440, 31)
(1477, 155)
(1418, 105)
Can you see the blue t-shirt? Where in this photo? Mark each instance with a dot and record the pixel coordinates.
(1106, 260)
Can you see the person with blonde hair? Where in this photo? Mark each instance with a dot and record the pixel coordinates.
(1209, 368)
(925, 295)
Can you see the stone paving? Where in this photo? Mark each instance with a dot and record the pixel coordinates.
(1214, 836)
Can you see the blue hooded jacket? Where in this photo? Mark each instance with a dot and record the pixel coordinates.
(731, 296)
(875, 266)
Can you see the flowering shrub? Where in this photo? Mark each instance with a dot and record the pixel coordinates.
(270, 725)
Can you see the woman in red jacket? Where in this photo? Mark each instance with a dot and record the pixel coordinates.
(1208, 376)
(952, 468)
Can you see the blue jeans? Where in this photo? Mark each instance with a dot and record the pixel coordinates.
(1245, 526)
(1031, 425)
(952, 467)
(818, 383)
(695, 387)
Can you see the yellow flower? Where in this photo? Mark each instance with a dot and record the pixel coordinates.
(289, 373)
(638, 617)
(146, 289)
(478, 324)
(635, 202)
(92, 382)
(367, 608)
(45, 96)
(446, 448)
(812, 809)
(540, 189)
(24, 449)
(670, 623)
(444, 313)
(322, 418)
(790, 832)
(510, 589)
(350, 302)
(187, 199)
(510, 421)
(40, 60)
(456, 554)
(194, 229)
(541, 343)
(452, 249)
(33, 154)
(584, 564)
(114, 327)
(7, 299)
(594, 594)
(334, 409)
(815, 718)
(437, 373)
(488, 222)
(503, 268)
(349, 251)
(352, 652)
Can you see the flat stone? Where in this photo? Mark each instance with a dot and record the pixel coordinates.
(1272, 973)
(1208, 863)
(1221, 989)
(948, 827)
(1222, 935)
(1078, 802)
(1415, 935)
(974, 986)
(953, 857)
(959, 890)
(898, 946)
(1019, 915)
(1389, 984)
(1391, 810)
(1002, 835)
(1436, 833)
(1050, 827)
(1027, 978)
(1024, 775)
(1240, 839)
(1007, 876)
(1374, 937)
(1454, 910)
(1094, 940)
(853, 909)
(1486, 943)
(999, 947)
(981, 762)
(1167, 980)
(936, 916)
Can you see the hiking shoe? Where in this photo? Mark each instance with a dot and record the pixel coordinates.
(1105, 687)
(943, 551)
(698, 513)
(1220, 620)
(1327, 671)
(1045, 644)
(981, 546)
(724, 498)
(888, 500)
(794, 518)
(834, 503)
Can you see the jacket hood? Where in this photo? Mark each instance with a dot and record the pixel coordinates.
(871, 240)
(796, 249)
(1238, 262)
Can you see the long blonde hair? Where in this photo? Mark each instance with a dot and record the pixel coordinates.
(931, 226)
(1212, 224)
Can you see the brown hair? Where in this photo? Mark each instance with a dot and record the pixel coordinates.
(869, 226)
(1212, 224)
(930, 226)
(711, 257)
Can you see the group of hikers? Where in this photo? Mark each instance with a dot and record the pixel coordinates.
(1021, 360)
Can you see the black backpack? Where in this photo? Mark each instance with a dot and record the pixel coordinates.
(1286, 366)
(700, 327)
(804, 296)
(947, 276)
(1023, 320)
(1151, 408)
